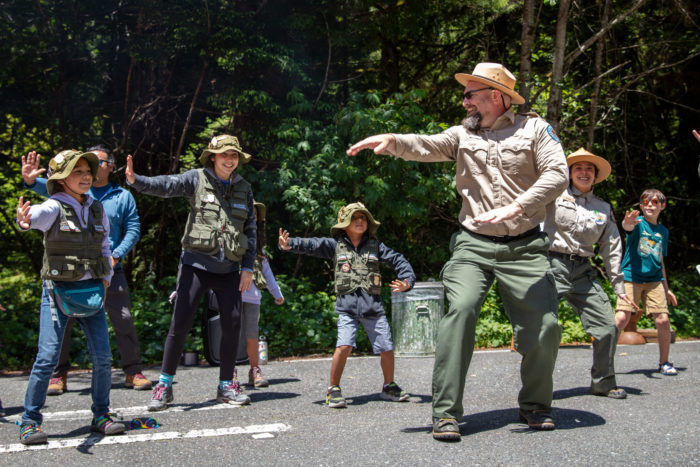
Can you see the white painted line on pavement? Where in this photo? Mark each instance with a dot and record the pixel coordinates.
(93, 440)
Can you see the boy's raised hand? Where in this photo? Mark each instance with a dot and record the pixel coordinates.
(283, 240)
(24, 219)
(399, 286)
(129, 171)
(30, 167)
(630, 219)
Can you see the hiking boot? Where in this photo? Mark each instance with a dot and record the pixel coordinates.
(31, 433)
(256, 378)
(138, 382)
(232, 394)
(446, 429)
(392, 392)
(105, 425)
(667, 369)
(537, 419)
(161, 396)
(614, 393)
(58, 385)
(334, 398)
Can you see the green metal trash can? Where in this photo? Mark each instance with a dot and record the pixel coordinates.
(414, 319)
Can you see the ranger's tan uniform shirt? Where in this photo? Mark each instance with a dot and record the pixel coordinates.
(517, 159)
(576, 222)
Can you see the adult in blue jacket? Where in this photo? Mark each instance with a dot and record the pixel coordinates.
(124, 232)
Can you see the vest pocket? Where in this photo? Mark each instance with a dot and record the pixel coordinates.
(64, 268)
(202, 239)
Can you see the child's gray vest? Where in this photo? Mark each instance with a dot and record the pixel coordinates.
(258, 276)
(357, 269)
(217, 221)
(70, 250)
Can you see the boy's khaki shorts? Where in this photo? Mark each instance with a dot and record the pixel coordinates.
(651, 295)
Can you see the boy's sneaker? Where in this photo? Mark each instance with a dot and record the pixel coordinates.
(161, 396)
(334, 398)
(58, 385)
(138, 382)
(31, 433)
(392, 392)
(232, 394)
(105, 425)
(667, 369)
(256, 378)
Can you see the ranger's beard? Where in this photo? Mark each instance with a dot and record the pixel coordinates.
(473, 122)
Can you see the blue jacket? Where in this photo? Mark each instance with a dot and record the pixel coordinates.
(358, 303)
(124, 224)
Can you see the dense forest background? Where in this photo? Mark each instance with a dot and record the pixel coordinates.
(298, 81)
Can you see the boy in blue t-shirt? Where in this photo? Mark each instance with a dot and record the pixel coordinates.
(644, 271)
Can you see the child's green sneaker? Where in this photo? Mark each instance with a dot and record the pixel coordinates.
(392, 392)
(31, 433)
(334, 398)
(105, 425)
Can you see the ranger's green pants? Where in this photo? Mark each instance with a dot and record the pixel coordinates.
(527, 289)
(577, 282)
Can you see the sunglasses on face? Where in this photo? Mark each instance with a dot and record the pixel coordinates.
(653, 201)
(106, 161)
(470, 94)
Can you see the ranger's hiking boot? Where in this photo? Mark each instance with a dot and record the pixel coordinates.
(161, 396)
(334, 398)
(138, 382)
(31, 433)
(232, 394)
(58, 385)
(256, 378)
(446, 429)
(614, 393)
(105, 425)
(392, 392)
(537, 419)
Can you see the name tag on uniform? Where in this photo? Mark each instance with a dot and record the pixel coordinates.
(210, 199)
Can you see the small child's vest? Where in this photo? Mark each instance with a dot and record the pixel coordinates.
(70, 250)
(357, 269)
(217, 221)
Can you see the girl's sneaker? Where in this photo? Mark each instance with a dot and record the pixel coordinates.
(105, 425)
(256, 378)
(31, 433)
(667, 369)
(231, 394)
(161, 396)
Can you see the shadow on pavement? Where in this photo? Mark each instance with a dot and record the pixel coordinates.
(583, 391)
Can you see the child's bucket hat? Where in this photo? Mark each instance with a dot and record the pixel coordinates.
(63, 163)
(261, 210)
(223, 143)
(493, 75)
(581, 155)
(345, 217)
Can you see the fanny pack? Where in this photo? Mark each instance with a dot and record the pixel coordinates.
(78, 299)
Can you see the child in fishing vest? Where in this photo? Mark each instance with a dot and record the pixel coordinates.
(263, 278)
(77, 250)
(218, 252)
(357, 252)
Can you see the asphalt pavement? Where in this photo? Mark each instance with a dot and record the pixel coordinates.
(288, 423)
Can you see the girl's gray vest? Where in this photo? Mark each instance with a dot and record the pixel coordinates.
(217, 221)
(70, 251)
(357, 269)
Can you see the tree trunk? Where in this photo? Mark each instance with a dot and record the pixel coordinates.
(527, 39)
(598, 68)
(554, 103)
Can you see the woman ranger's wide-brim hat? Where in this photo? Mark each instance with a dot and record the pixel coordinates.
(63, 163)
(345, 217)
(495, 76)
(581, 155)
(262, 210)
(223, 143)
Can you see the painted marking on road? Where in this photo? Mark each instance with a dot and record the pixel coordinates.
(94, 440)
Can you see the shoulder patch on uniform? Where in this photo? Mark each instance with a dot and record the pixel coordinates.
(553, 134)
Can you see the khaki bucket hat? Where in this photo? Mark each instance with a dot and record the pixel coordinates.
(345, 216)
(493, 75)
(63, 163)
(223, 143)
(581, 155)
(262, 210)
